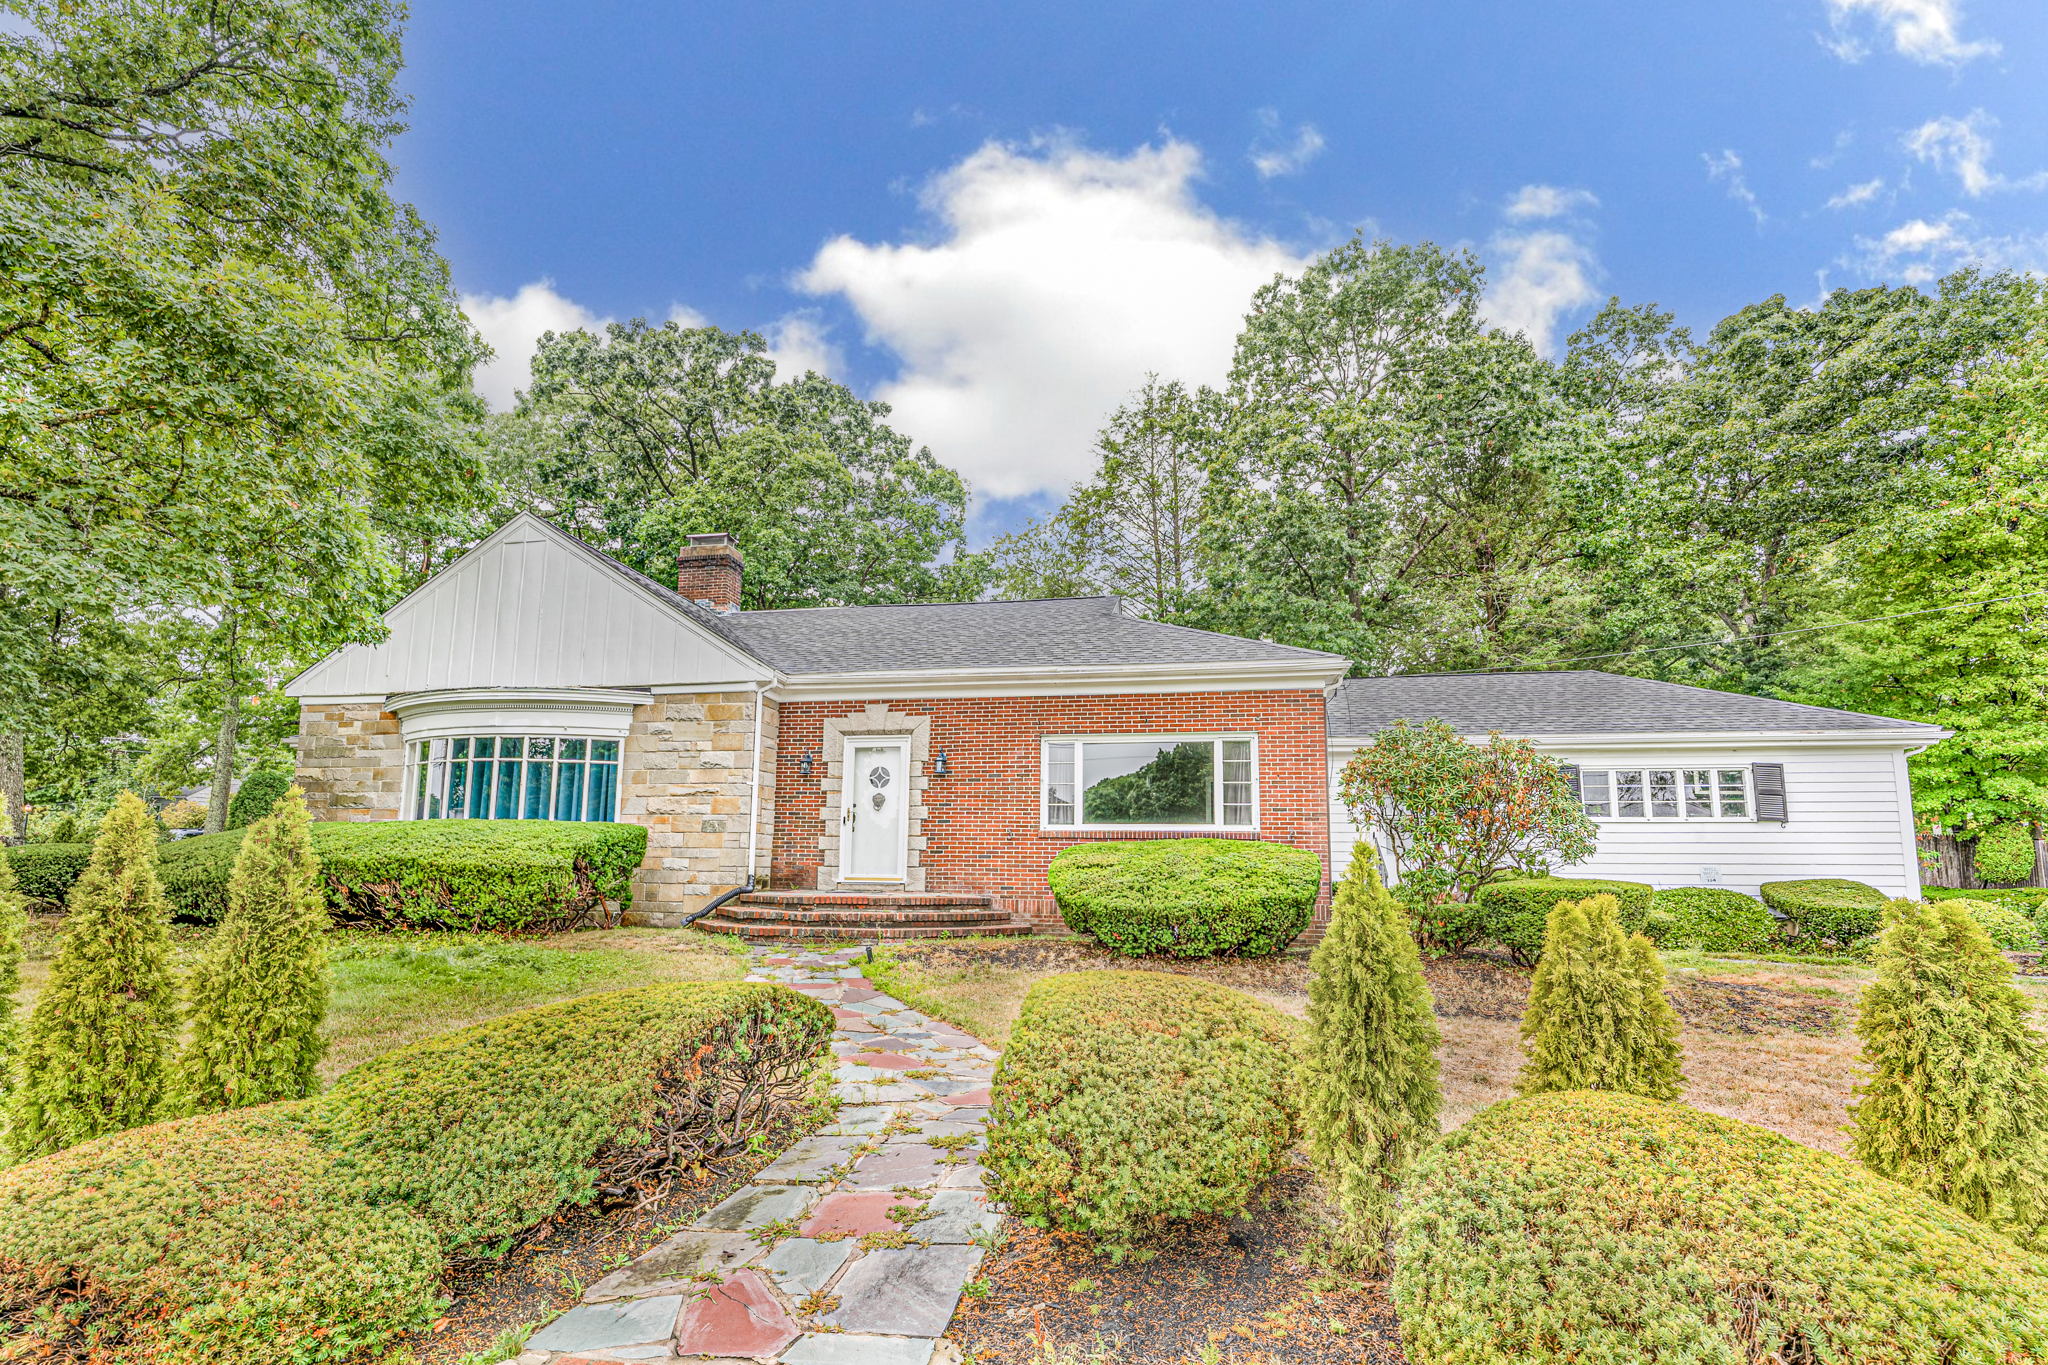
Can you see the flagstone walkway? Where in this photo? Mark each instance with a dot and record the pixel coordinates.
(853, 1247)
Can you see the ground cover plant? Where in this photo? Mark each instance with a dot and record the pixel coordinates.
(1580, 1227)
(1187, 897)
(1514, 913)
(1711, 918)
(1126, 1101)
(1826, 909)
(335, 1216)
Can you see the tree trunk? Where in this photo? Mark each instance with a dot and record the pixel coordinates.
(13, 787)
(224, 743)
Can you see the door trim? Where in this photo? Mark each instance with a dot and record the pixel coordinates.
(901, 744)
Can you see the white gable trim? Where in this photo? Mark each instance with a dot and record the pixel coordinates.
(529, 608)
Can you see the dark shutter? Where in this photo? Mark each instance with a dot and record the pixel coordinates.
(1571, 775)
(1767, 780)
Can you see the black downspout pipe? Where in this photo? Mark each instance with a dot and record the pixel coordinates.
(733, 894)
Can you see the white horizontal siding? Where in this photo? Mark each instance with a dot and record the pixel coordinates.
(1850, 815)
(524, 610)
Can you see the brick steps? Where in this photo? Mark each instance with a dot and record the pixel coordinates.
(881, 916)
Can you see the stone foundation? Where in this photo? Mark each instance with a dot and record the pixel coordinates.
(350, 761)
(688, 777)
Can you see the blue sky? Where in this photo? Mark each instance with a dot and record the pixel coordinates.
(998, 218)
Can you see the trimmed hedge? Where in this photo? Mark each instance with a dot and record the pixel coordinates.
(45, 872)
(256, 797)
(1827, 908)
(521, 875)
(1711, 918)
(2010, 930)
(1582, 1227)
(1127, 1100)
(2004, 853)
(1513, 913)
(2026, 899)
(317, 1230)
(1187, 897)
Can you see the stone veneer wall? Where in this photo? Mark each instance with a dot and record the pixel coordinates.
(350, 761)
(687, 776)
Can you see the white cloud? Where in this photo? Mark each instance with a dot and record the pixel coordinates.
(1927, 31)
(1272, 156)
(798, 343)
(513, 326)
(1725, 167)
(1962, 147)
(1547, 201)
(1057, 277)
(1858, 194)
(1922, 250)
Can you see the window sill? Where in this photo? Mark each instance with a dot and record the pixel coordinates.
(1147, 832)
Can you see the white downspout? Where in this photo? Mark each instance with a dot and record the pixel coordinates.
(754, 800)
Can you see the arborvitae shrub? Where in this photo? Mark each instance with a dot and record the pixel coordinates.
(259, 993)
(1369, 1081)
(1513, 913)
(257, 797)
(1127, 1100)
(1187, 897)
(2004, 853)
(1591, 1229)
(93, 1052)
(1957, 1099)
(1591, 1023)
(1713, 919)
(1826, 909)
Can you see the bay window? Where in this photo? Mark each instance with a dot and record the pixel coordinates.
(1151, 782)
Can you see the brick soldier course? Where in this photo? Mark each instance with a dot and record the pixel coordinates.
(851, 1248)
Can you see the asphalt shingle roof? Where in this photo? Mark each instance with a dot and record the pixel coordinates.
(1050, 633)
(1583, 701)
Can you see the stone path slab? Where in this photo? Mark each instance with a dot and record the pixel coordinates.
(854, 1285)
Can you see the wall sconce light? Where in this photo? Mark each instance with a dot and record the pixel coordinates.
(939, 765)
(805, 765)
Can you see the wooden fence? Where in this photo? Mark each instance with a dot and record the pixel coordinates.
(1946, 860)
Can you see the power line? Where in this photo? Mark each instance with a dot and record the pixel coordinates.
(1762, 635)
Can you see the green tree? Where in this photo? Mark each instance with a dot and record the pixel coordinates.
(260, 992)
(660, 432)
(93, 1054)
(210, 309)
(1383, 489)
(1370, 1086)
(1597, 1018)
(1963, 572)
(1956, 1103)
(1452, 815)
(13, 925)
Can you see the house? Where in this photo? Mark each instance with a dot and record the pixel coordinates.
(1687, 786)
(887, 771)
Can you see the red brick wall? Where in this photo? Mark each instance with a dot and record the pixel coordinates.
(982, 821)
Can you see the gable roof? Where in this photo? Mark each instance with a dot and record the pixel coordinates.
(1584, 702)
(1058, 632)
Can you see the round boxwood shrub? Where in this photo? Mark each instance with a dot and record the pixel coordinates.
(2004, 853)
(1833, 909)
(1187, 897)
(1513, 913)
(1584, 1227)
(45, 872)
(1127, 1100)
(256, 797)
(1712, 918)
(2012, 931)
(317, 1230)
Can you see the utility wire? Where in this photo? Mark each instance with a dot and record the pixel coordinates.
(1760, 635)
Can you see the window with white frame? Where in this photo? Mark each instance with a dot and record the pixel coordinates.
(1667, 793)
(512, 777)
(1151, 781)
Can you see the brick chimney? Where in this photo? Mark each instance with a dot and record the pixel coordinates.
(708, 571)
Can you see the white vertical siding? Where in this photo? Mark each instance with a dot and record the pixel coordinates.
(524, 610)
(1850, 815)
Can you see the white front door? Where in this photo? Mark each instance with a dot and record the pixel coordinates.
(874, 821)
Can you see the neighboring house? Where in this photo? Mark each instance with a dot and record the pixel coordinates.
(1687, 786)
(882, 770)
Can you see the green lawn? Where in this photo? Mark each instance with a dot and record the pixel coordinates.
(391, 989)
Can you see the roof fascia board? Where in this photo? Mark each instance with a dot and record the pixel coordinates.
(1704, 739)
(1239, 676)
